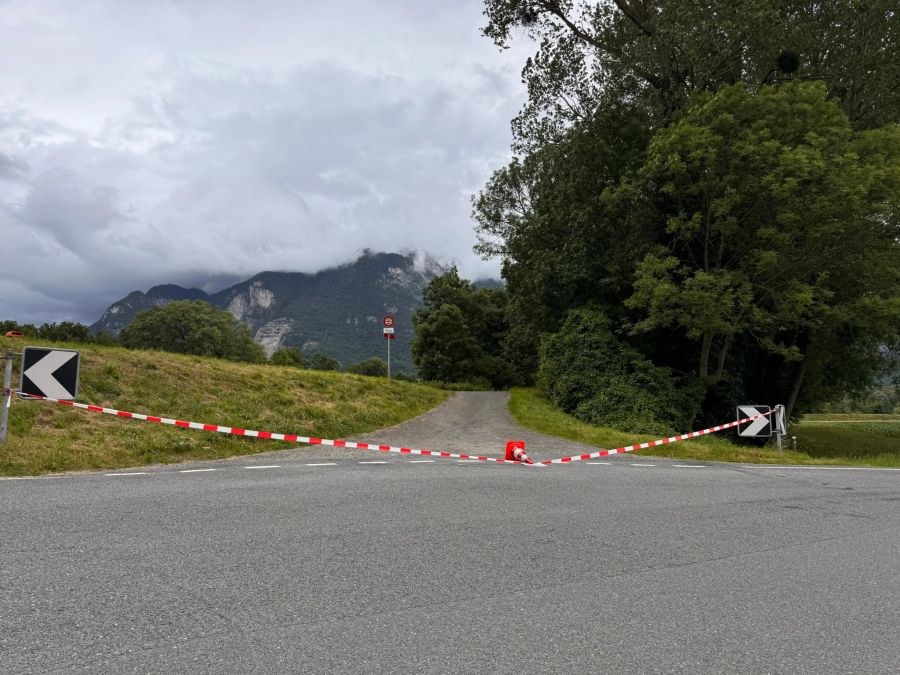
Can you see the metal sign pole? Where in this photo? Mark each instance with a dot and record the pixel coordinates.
(7, 396)
(389, 357)
(779, 425)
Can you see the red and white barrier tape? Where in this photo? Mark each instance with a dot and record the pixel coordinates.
(651, 444)
(293, 438)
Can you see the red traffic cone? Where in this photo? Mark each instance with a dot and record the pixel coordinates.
(515, 451)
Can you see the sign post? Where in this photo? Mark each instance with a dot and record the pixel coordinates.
(388, 333)
(7, 396)
(780, 426)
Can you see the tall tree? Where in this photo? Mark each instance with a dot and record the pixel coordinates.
(779, 221)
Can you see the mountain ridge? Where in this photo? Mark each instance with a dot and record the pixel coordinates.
(337, 311)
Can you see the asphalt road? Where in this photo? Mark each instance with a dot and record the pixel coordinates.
(311, 561)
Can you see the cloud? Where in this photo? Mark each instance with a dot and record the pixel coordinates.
(144, 143)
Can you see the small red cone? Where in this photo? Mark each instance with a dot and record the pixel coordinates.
(515, 451)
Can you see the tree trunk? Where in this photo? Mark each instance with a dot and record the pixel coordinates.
(705, 348)
(723, 352)
(795, 389)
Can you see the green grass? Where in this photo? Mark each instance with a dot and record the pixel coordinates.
(868, 442)
(47, 437)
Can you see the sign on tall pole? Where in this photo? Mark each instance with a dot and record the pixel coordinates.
(388, 333)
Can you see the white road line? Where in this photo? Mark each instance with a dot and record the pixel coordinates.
(468, 461)
(264, 466)
(132, 473)
(196, 470)
(373, 461)
(690, 466)
(605, 463)
(322, 464)
(820, 468)
(636, 464)
(421, 461)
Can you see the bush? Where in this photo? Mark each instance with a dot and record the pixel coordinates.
(588, 372)
(373, 367)
(320, 361)
(289, 356)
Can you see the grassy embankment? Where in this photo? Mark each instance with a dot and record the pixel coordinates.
(47, 437)
(859, 440)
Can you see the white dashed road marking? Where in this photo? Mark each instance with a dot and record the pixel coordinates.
(605, 463)
(131, 473)
(196, 470)
(820, 468)
(264, 466)
(636, 464)
(374, 461)
(690, 466)
(322, 464)
(421, 461)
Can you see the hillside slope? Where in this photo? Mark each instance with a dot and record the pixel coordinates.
(47, 437)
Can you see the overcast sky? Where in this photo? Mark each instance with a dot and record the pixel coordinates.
(201, 141)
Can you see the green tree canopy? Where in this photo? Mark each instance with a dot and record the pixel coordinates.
(320, 361)
(192, 327)
(288, 356)
(461, 332)
(780, 224)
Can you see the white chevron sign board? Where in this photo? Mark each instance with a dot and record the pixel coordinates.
(758, 428)
(52, 373)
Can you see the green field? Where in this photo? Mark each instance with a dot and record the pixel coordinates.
(864, 440)
(47, 437)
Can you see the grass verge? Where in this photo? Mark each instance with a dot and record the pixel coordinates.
(46, 437)
(870, 443)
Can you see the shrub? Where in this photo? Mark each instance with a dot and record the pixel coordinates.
(588, 372)
(373, 367)
(289, 356)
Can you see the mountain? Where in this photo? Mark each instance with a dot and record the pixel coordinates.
(337, 311)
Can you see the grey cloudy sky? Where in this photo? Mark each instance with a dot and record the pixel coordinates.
(202, 141)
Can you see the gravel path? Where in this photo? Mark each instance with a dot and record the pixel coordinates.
(474, 422)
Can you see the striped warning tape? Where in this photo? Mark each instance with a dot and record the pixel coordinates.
(651, 444)
(293, 438)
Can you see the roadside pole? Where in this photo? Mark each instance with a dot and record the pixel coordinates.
(388, 333)
(7, 396)
(779, 427)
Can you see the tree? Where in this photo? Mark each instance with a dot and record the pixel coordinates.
(192, 327)
(288, 356)
(373, 367)
(461, 332)
(779, 220)
(65, 331)
(320, 361)
(664, 51)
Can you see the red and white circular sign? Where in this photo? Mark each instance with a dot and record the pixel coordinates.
(388, 321)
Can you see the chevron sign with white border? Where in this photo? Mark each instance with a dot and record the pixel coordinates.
(50, 372)
(758, 428)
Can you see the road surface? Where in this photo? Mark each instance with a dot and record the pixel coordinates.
(317, 560)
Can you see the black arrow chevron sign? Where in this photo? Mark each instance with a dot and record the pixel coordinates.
(50, 372)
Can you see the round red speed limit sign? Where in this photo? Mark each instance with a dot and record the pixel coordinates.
(388, 321)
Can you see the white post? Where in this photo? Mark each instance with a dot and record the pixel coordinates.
(7, 396)
(388, 337)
